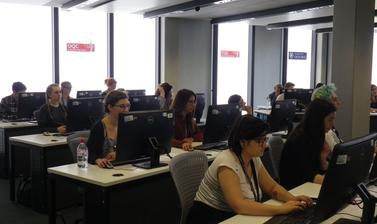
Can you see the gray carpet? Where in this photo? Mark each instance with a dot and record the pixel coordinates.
(13, 213)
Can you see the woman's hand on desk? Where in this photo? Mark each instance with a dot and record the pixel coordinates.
(291, 206)
(188, 140)
(62, 129)
(103, 162)
(111, 156)
(187, 146)
(303, 198)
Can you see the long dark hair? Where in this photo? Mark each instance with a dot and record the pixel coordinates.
(312, 126)
(246, 127)
(179, 105)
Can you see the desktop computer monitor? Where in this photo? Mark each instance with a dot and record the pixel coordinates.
(88, 93)
(83, 113)
(303, 96)
(139, 103)
(348, 167)
(143, 136)
(200, 104)
(135, 92)
(220, 119)
(28, 103)
(282, 114)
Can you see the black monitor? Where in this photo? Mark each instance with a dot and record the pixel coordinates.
(220, 119)
(200, 104)
(140, 103)
(303, 96)
(282, 114)
(143, 136)
(135, 92)
(88, 93)
(348, 168)
(28, 103)
(83, 113)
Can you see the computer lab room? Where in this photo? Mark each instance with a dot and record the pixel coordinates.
(188, 111)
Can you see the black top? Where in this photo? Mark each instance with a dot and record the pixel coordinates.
(8, 106)
(299, 162)
(272, 98)
(373, 105)
(49, 117)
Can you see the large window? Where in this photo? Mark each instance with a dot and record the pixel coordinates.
(232, 60)
(134, 52)
(25, 44)
(299, 57)
(83, 49)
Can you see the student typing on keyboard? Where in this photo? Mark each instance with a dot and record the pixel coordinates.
(236, 180)
(102, 139)
(185, 129)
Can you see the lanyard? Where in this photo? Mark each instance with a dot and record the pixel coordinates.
(255, 191)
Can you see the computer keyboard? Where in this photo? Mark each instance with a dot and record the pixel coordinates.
(300, 217)
(212, 145)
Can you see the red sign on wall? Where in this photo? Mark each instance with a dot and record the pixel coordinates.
(230, 54)
(80, 47)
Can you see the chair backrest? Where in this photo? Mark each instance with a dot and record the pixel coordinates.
(187, 171)
(73, 141)
(276, 145)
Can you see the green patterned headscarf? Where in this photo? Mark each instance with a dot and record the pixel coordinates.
(325, 92)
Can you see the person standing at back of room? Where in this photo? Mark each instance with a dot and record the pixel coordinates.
(111, 85)
(103, 135)
(9, 104)
(52, 116)
(185, 130)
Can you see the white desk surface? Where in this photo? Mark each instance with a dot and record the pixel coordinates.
(9, 125)
(40, 140)
(309, 189)
(104, 177)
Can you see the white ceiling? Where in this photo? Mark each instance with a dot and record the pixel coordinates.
(207, 13)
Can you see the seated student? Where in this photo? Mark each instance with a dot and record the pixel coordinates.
(305, 153)
(111, 85)
(9, 103)
(103, 135)
(66, 90)
(327, 92)
(287, 86)
(185, 129)
(373, 99)
(278, 89)
(165, 93)
(53, 115)
(318, 85)
(234, 182)
(237, 99)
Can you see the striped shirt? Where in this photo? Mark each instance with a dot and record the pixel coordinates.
(210, 191)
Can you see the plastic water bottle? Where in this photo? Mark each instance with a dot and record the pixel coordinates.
(82, 154)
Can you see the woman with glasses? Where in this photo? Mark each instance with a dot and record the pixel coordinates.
(234, 182)
(103, 135)
(52, 116)
(66, 90)
(305, 153)
(185, 130)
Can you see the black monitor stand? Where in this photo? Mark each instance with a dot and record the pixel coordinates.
(155, 156)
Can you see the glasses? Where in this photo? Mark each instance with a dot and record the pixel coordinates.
(261, 140)
(123, 106)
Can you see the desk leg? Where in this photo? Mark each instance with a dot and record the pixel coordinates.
(96, 205)
(51, 199)
(11, 173)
